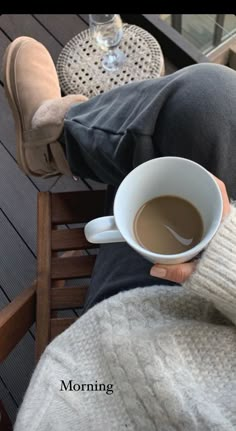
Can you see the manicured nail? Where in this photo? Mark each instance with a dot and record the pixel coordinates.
(158, 272)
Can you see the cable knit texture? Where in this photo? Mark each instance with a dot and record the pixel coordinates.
(170, 353)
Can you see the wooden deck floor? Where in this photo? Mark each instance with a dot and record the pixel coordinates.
(18, 194)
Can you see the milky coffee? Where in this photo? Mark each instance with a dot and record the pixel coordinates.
(168, 225)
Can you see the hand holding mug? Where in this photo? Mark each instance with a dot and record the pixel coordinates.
(180, 273)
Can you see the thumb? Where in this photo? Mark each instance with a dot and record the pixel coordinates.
(177, 273)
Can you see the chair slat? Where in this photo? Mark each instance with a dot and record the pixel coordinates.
(77, 207)
(70, 239)
(59, 325)
(72, 267)
(63, 298)
(58, 209)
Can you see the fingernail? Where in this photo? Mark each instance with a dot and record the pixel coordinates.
(158, 272)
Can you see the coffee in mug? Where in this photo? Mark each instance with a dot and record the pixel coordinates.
(168, 225)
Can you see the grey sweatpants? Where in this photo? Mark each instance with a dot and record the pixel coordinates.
(191, 114)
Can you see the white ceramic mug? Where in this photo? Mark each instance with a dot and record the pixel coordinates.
(159, 177)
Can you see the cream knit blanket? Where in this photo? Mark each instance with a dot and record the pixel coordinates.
(156, 358)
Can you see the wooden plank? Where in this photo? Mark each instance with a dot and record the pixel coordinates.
(8, 138)
(59, 325)
(4, 42)
(8, 402)
(70, 239)
(71, 25)
(43, 277)
(15, 320)
(16, 25)
(178, 50)
(68, 297)
(84, 17)
(18, 198)
(72, 267)
(17, 369)
(7, 133)
(77, 207)
(17, 272)
(18, 265)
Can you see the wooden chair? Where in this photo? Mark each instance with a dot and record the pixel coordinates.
(48, 293)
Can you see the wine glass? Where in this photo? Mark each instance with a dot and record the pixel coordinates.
(108, 31)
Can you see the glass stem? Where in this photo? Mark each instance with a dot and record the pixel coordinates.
(111, 54)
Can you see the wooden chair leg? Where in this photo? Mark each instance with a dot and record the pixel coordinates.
(15, 320)
(44, 268)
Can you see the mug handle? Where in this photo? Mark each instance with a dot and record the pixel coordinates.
(103, 230)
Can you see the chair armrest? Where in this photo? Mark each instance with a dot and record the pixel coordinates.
(15, 319)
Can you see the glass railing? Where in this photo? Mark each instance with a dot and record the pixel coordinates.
(206, 32)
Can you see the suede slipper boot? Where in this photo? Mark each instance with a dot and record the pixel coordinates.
(33, 91)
